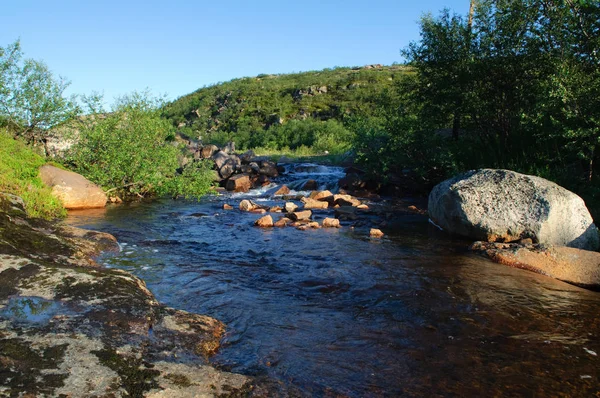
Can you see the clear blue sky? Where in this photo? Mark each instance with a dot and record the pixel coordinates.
(175, 47)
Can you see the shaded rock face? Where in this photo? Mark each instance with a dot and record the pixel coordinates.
(239, 183)
(571, 265)
(88, 331)
(505, 206)
(74, 190)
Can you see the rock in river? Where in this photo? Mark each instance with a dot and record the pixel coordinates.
(575, 266)
(505, 206)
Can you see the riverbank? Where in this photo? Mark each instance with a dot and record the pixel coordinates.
(69, 326)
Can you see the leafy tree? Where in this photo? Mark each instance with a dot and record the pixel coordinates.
(32, 100)
(132, 151)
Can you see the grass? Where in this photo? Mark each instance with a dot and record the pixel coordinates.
(19, 175)
(304, 154)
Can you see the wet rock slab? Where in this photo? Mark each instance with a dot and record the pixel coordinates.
(71, 328)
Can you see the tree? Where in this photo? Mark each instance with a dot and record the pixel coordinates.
(443, 58)
(32, 100)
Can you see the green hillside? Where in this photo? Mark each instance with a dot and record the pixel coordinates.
(283, 111)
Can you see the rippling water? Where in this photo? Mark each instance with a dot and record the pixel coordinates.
(335, 313)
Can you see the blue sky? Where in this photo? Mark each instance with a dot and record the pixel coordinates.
(175, 47)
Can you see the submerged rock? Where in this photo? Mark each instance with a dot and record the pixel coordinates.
(571, 265)
(504, 206)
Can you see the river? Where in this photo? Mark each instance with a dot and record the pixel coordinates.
(333, 312)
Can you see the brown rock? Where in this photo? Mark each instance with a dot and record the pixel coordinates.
(362, 207)
(376, 233)
(346, 200)
(264, 222)
(300, 215)
(324, 196)
(239, 183)
(331, 223)
(282, 222)
(73, 190)
(314, 204)
(258, 210)
(283, 190)
(247, 205)
(227, 207)
(314, 225)
(290, 207)
(571, 265)
(276, 209)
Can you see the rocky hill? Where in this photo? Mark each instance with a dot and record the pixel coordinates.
(251, 111)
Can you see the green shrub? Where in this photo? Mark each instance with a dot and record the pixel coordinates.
(131, 151)
(19, 175)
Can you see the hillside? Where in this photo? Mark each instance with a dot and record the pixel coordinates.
(260, 111)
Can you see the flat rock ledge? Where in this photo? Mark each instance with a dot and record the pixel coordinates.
(575, 266)
(70, 328)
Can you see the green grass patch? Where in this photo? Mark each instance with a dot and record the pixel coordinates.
(19, 175)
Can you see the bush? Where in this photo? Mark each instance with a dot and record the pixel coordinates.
(19, 175)
(131, 151)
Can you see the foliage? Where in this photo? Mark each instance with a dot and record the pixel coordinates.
(31, 99)
(19, 175)
(131, 151)
(517, 87)
(283, 111)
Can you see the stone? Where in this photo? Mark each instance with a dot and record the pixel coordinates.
(230, 166)
(313, 225)
(290, 207)
(575, 266)
(264, 222)
(247, 156)
(73, 190)
(247, 205)
(283, 190)
(229, 148)
(310, 185)
(276, 209)
(268, 168)
(331, 223)
(505, 206)
(282, 222)
(346, 200)
(239, 183)
(325, 196)
(300, 215)
(208, 151)
(227, 207)
(376, 233)
(314, 204)
(258, 211)
(362, 207)
(220, 158)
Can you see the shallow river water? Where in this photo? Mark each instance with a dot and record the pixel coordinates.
(332, 312)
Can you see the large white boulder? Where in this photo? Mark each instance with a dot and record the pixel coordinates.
(505, 206)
